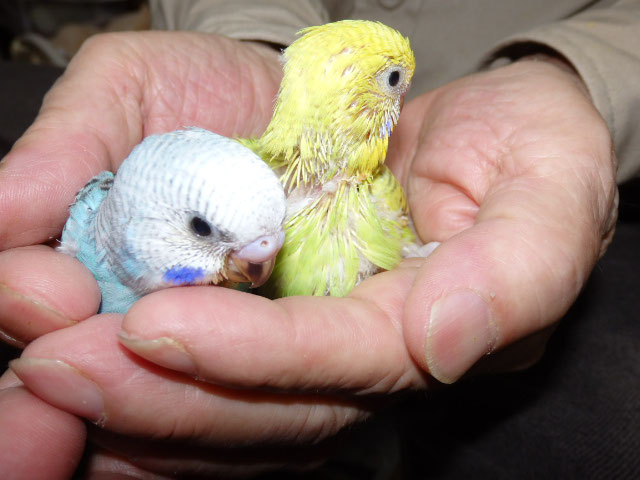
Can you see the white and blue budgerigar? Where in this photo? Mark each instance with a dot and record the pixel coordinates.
(185, 208)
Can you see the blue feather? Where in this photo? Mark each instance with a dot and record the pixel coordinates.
(183, 275)
(116, 297)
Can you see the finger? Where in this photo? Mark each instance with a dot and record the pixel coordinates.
(42, 290)
(84, 370)
(105, 465)
(36, 439)
(519, 355)
(299, 343)
(440, 205)
(154, 458)
(445, 209)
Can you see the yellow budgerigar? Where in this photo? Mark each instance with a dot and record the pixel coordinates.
(339, 100)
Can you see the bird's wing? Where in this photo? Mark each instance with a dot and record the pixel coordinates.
(82, 212)
(79, 241)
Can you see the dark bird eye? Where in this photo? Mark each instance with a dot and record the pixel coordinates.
(200, 227)
(394, 78)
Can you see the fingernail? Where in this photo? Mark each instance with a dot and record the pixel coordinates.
(16, 307)
(8, 339)
(61, 385)
(461, 331)
(163, 351)
(9, 380)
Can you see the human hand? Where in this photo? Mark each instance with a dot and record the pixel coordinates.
(378, 340)
(514, 170)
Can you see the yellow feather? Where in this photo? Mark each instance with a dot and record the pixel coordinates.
(339, 100)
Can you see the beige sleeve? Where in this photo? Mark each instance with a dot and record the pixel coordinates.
(602, 43)
(275, 21)
(604, 47)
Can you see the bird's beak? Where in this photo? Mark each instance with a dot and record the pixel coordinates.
(254, 262)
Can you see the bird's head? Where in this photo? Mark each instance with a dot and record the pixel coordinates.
(195, 208)
(343, 88)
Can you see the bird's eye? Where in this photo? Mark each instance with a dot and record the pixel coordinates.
(200, 227)
(393, 78)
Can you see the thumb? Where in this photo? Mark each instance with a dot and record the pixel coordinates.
(492, 284)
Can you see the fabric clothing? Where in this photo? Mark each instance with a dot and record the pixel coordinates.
(455, 37)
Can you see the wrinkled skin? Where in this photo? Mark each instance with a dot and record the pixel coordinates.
(511, 169)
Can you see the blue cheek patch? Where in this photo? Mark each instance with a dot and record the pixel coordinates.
(183, 275)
